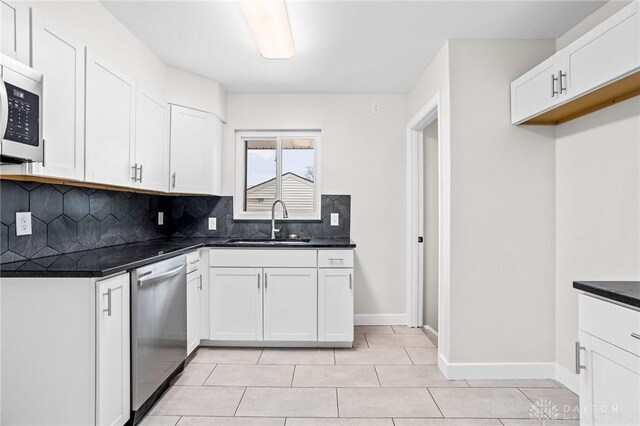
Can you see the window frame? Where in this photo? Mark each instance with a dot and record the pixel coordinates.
(239, 174)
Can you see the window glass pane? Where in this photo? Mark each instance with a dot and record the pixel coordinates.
(260, 174)
(298, 174)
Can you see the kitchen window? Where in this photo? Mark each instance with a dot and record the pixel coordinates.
(272, 165)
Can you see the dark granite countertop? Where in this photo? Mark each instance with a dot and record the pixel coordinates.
(627, 292)
(110, 260)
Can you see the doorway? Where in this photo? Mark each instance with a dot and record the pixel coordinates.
(429, 223)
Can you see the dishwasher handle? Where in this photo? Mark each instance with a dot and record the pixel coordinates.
(152, 279)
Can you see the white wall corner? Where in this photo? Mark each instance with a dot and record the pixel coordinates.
(568, 379)
(380, 319)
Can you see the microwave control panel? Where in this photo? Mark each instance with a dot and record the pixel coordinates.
(23, 116)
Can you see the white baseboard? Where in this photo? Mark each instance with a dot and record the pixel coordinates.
(568, 379)
(497, 371)
(380, 319)
(430, 330)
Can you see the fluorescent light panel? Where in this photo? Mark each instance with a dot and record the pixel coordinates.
(269, 24)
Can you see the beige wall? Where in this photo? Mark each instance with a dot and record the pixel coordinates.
(502, 210)
(598, 200)
(363, 155)
(598, 209)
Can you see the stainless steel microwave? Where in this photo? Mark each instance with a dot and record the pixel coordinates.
(20, 112)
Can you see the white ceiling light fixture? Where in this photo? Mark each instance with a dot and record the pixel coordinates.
(269, 24)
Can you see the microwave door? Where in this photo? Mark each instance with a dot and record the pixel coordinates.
(21, 106)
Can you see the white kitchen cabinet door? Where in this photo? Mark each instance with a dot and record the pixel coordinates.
(536, 91)
(194, 284)
(235, 303)
(15, 29)
(113, 354)
(290, 304)
(608, 52)
(335, 305)
(194, 138)
(61, 59)
(110, 110)
(609, 384)
(151, 144)
(204, 295)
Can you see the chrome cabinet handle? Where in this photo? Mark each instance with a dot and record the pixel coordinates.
(579, 366)
(562, 76)
(258, 280)
(554, 79)
(200, 285)
(336, 259)
(108, 310)
(44, 153)
(140, 178)
(173, 178)
(193, 262)
(635, 336)
(265, 281)
(135, 172)
(350, 282)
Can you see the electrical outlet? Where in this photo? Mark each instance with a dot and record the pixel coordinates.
(335, 219)
(23, 223)
(213, 223)
(160, 218)
(375, 108)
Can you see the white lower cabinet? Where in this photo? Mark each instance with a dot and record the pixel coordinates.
(290, 304)
(194, 289)
(609, 374)
(335, 305)
(235, 304)
(68, 348)
(113, 354)
(280, 297)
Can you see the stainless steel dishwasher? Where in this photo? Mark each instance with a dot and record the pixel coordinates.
(158, 329)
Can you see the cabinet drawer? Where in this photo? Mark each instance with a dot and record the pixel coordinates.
(270, 258)
(610, 322)
(335, 258)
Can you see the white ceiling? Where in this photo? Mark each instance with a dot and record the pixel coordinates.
(341, 46)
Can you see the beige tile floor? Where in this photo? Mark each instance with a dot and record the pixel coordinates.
(389, 378)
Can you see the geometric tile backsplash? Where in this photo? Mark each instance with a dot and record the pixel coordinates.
(68, 219)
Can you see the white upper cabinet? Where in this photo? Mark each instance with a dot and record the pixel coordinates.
(536, 91)
(150, 168)
(110, 100)
(593, 69)
(290, 304)
(14, 29)
(608, 52)
(61, 59)
(196, 138)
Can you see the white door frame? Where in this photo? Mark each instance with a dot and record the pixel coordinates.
(415, 188)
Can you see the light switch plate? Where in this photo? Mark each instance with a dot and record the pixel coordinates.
(335, 219)
(160, 218)
(213, 223)
(23, 223)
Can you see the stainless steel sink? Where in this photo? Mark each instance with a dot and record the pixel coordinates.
(268, 241)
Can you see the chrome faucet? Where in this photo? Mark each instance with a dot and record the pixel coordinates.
(285, 215)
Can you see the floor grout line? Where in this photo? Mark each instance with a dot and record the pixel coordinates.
(293, 375)
(337, 404)
(533, 404)
(435, 402)
(378, 377)
(239, 402)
